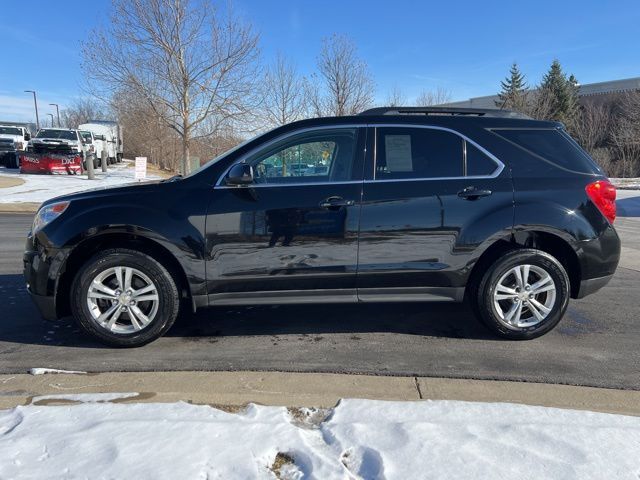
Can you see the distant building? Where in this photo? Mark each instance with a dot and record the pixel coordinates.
(589, 91)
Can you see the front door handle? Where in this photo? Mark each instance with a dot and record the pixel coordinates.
(472, 193)
(335, 203)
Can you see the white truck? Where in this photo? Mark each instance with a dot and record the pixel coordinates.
(110, 133)
(13, 141)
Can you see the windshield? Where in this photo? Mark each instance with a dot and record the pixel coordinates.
(10, 131)
(63, 134)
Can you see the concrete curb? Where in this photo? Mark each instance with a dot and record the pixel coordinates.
(233, 389)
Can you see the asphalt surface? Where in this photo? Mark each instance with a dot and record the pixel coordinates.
(596, 344)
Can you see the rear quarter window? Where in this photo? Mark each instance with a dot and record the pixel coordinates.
(553, 146)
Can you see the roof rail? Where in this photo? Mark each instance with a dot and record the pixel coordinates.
(479, 112)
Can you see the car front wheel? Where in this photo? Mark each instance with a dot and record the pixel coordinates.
(523, 295)
(124, 298)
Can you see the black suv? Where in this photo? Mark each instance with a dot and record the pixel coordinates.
(403, 204)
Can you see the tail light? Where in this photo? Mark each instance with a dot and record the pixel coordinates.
(603, 194)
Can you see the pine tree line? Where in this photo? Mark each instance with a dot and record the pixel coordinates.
(609, 131)
(556, 98)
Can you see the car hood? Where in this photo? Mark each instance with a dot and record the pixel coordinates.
(15, 138)
(110, 191)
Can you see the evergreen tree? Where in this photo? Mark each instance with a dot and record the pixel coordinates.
(561, 94)
(513, 95)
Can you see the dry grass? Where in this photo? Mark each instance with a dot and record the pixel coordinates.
(154, 170)
(308, 417)
(23, 207)
(8, 182)
(281, 460)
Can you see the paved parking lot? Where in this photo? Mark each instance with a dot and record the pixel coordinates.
(596, 344)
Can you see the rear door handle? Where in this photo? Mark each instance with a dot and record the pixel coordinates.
(472, 193)
(334, 203)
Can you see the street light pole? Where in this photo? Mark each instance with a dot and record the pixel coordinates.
(35, 102)
(57, 112)
(51, 115)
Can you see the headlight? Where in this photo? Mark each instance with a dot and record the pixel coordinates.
(19, 145)
(48, 213)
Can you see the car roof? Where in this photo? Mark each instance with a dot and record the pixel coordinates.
(453, 121)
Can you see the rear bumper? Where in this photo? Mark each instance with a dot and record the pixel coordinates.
(592, 285)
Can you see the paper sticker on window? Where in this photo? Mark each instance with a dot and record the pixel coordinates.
(398, 153)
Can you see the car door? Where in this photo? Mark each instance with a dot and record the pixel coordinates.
(431, 197)
(293, 232)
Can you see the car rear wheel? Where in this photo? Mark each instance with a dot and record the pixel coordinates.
(523, 295)
(124, 298)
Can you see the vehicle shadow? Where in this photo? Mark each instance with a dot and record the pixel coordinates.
(628, 207)
(21, 323)
(422, 319)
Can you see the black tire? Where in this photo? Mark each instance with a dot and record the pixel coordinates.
(168, 297)
(482, 294)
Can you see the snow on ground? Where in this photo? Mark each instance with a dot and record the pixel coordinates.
(361, 439)
(631, 183)
(38, 188)
(43, 371)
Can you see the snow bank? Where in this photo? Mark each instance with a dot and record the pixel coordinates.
(38, 188)
(631, 183)
(360, 439)
(43, 371)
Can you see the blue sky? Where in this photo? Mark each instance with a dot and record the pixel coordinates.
(464, 46)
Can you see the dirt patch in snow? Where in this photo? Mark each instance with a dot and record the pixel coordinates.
(10, 182)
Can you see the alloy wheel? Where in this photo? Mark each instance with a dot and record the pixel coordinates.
(524, 296)
(122, 300)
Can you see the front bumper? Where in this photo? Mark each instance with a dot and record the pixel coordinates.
(41, 274)
(592, 285)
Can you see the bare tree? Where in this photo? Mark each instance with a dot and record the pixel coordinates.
(625, 136)
(283, 93)
(395, 98)
(81, 111)
(427, 98)
(538, 104)
(187, 62)
(343, 85)
(591, 128)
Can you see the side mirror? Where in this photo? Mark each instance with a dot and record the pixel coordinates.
(27, 136)
(240, 174)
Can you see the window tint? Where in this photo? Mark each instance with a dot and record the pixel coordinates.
(552, 145)
(478, 164)
(418, 153)
(320, 156)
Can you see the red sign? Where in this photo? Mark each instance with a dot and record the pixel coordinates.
(50, 163)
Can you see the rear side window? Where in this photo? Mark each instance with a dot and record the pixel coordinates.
(415, 153)
(478, 164)
(551, 145)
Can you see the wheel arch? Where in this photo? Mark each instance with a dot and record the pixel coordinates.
(553, 243)
(95, 244)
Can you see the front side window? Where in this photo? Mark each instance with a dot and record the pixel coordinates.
(417, 153)
(310, 157)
